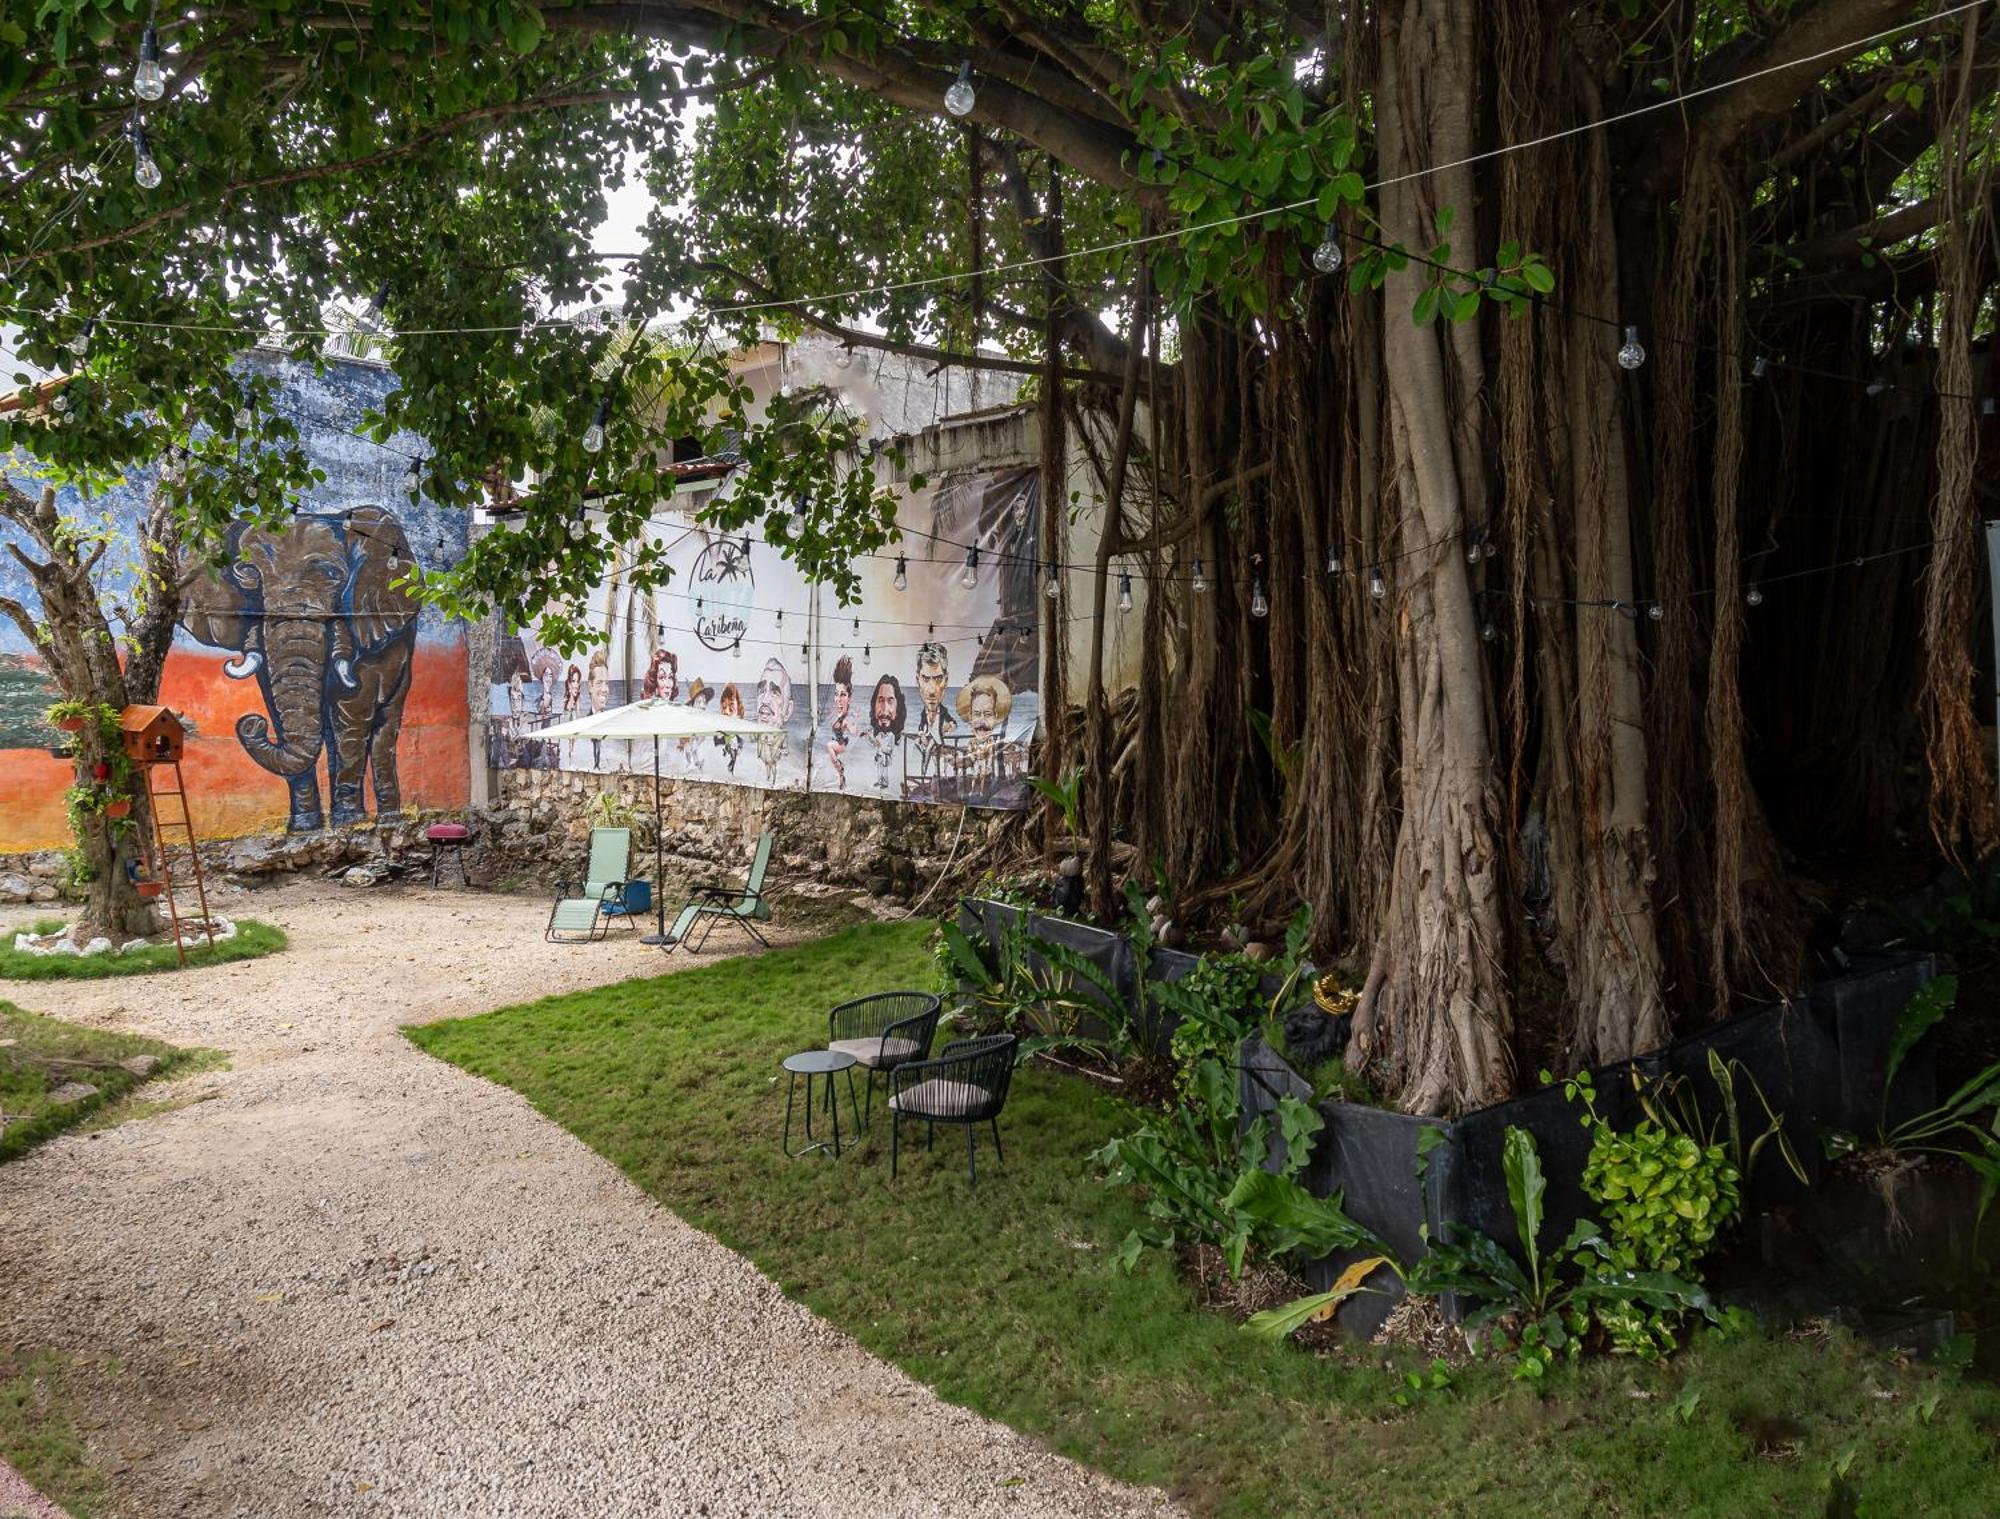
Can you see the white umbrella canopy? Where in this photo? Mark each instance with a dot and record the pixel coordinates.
(655, 717)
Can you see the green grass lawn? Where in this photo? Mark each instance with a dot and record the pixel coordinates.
(27, 1116)
(250, 941)
(1006, 1300)
(38, 1437)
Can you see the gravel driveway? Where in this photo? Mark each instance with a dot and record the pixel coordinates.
(354, 1280)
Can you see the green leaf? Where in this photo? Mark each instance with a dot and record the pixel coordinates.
(1920, 1014)
(1277, 1323)
(1538, 276)
(1522, 1164)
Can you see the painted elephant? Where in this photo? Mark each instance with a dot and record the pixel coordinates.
(312, 613)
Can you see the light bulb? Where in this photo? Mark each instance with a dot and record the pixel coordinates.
(795, 524)
(1052, 587)
(1333, 561)
(902, 573)
(80, 344)
(1377, 586)
(867, 652)
(1260, 604)
(970, 579)
(1327, 256)
(245, 419)
(1472, 553)
(959, 98)
(1124, 592)
(1655, 611)
(1876, 387)
(1758, 369)
(578, 528)
(144, 171)
(1488, 633)
(1200, 578)
(413, 479)
(1633, 354)
(1755, 596)
(60, 404)
(593, 435)
(149, 82)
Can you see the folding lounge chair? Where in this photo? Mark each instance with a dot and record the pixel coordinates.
(584, 912)
(746, 906)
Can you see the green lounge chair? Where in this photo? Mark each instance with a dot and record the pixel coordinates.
(746, 906)
(584, 913)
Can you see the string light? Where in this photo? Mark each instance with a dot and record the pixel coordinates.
(579, 530)
(960, 96)
(1488, 633)
(413, 479)
(902, 573)
(1755, 595)
(1200, 582)
(1052, 587)
(1633, 353)
(1475, 547)
(145, 172)
(970, 579)
(1124, 591)
(246, 416)
(1877, 386)
(795, 524)
(1260, 604)
(1333, 567)
(80, 344)
(1759, 367)
(149, 81)
(1377, 586)
(1656, 612)
(1327, 256)
(593, 435)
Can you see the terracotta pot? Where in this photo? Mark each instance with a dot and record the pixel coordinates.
(149, 889)
(122, 808)
(70, 724)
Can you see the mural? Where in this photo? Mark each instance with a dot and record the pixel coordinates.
(312, 614)
(925, 691)
(315, 693)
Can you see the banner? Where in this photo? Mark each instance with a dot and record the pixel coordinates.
(924, 693)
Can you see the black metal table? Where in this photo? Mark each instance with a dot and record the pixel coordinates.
(813, 1064)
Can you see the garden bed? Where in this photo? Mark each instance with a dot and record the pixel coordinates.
(1817, 1059)
(37, 952)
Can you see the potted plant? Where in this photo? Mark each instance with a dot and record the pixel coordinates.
(70, 716)
(118, 807)
(149, 889)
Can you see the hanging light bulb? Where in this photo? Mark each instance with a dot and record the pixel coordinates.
(1052, 587)
(1377, 586)
(902, 573)
(867, 652)
(1760, 367)
(1655, 611)
(1633, 353)
(149, 81)
(245, 418)
(1333, 565)
(413, 479)
(1755, 595)
(593, 435)
(959, 98)
(60, 403)
(970, 579)
(1260, 604)
(1124, 591)
(80, 343)
(578, 528)
(1327, 256)
(145, 172)
(795, 524)
(1876, 387)
(1200, 578)
(1488, 633)
(1474, 547)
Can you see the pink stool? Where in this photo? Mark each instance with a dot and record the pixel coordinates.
(453, 837)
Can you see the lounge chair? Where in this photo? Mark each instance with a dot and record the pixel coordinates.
(584, 911)
(882, 1032)
(746, 906)
(966, 1085)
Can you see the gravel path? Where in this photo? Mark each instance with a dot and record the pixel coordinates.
(355, 1280)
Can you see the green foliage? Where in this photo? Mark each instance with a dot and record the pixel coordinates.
(1066, 796)
(1963, 925)
(251, 941)
(27, 1115)
(1033, 987)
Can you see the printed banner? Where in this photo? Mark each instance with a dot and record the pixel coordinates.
(926, 693)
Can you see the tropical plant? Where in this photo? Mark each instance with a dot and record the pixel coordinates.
(1032, 987)
(1065, 795)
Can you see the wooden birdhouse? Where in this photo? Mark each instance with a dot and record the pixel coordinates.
(153, 735)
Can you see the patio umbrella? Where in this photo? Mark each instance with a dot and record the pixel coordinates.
(657, 718)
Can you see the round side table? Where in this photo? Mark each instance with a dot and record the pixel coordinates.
(813, 1065)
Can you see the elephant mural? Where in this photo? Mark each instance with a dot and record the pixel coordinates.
(311, 612)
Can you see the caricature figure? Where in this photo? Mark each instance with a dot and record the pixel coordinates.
(984, 702)
(887, 715)
(517, 703)
(838, 724)
(572, 703)
(731, 744)
(693, 752)
(599, 683)
(663, 676)
(774, 707)
(935, 721)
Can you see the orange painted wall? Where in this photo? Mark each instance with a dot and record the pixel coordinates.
(231, 794)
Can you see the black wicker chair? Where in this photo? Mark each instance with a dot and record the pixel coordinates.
(966, 1085)
(882, 1032)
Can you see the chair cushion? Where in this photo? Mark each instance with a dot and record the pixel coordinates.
(574, 915)
(447, 833)
(940, 1099)
(879, 1053)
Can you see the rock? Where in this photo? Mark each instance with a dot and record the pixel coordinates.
(1232, 938)
(1071, 866)
(98, 946)
(131, 945)
(50, 865)
(15, 888)
(1258, 952)
(45, 893)
(72, 1091)
(141, 1066)
(1156, 906)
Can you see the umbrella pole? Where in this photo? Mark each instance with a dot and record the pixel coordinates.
(659, 935)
